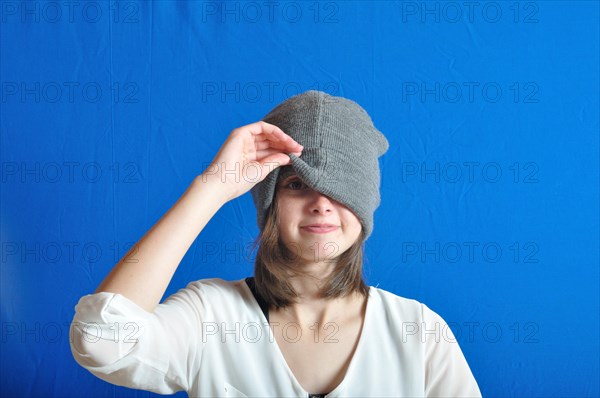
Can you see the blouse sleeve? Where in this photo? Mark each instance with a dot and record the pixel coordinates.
(447, 373)
(123, 344)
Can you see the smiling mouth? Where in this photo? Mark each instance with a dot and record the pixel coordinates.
(320, 230)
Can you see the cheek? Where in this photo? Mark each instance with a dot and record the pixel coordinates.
(356, 228)
(289, 207)
(287, 213)
(353, 230)
(349, 218)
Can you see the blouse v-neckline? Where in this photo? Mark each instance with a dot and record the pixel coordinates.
(264, 311)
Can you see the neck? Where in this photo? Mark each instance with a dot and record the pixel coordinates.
(311, 307)
(308, 284)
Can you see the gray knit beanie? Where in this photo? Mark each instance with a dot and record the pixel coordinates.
(340, 155)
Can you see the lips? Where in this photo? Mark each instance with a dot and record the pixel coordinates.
(319, 228)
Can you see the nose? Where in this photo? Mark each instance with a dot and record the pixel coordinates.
(320, 204)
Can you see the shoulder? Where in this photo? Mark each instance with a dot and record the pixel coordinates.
(217, 283)
(217, 292)
(401, 308)
(210, 298)
(218, 287)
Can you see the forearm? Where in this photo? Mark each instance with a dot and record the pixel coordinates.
(144, 273)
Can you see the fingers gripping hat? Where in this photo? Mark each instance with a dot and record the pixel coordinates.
(340, 155)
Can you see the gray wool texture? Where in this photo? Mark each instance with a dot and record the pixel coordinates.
(340, 156)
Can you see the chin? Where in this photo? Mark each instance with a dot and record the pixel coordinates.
(325, 248)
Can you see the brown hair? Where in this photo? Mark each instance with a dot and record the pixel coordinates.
(275, 263)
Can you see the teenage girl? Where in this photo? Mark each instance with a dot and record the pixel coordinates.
(305, 324)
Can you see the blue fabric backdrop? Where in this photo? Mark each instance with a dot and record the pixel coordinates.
(490, 205)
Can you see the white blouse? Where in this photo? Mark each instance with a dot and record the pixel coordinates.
(211, 339)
